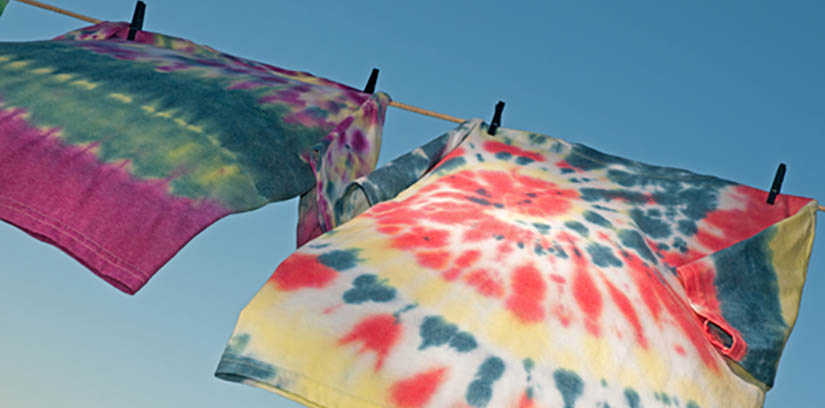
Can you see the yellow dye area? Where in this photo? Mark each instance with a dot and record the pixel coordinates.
(87, 85)
(148, 108)
(63, 77)
(193, 128)
(216, 175)
(165, 114)
(793, 238)
(188, 149)
(290, 342)
(4, 58)
(18, 64)
(121, 97)
(43, 71)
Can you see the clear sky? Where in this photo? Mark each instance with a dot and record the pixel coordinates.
(724, 88)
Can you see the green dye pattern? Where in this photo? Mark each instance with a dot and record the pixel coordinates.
(146, 139)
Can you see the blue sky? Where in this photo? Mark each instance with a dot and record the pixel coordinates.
(723, 88)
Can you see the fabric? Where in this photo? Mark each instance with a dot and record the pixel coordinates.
(3, 4)
(119, 152)
(526, 271)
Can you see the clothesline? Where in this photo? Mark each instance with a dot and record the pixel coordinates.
(399, 105)
(396, 104)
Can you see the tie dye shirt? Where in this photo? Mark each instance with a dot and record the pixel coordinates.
(521, 270)
(119, 152)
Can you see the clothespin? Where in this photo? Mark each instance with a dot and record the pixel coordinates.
(777, 183)
(370, 88)
(496, 122)
(137, 20)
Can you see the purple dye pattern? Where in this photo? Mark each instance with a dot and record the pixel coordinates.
(350, 154)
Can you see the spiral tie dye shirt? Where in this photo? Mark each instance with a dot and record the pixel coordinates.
(520, 270)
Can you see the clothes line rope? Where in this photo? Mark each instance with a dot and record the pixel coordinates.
(61, 11)
(396, 104)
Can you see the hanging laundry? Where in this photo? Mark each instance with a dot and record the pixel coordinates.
(526, 271)
(119, 152)
(3, 4)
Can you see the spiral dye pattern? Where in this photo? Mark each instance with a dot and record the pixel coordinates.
(521, 270)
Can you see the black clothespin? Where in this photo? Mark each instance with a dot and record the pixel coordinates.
(777, 183)
(137, 20)
(496, 122)
(370, 88)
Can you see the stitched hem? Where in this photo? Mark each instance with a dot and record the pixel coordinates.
(290, 384)
(91, 254)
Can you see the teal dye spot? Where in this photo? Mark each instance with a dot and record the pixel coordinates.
(523, 161)
(479, 393)
(560, 252)
(596, 218)
(503, 156)
(339, 260)
(463, 342)
(319, 246)
(330, 190)
(603, 256)
(557, 147)
(574, 180)
(538, 250)
(491, 369)
(632, 398)
(633, 240)
(687, 227)
(604, 383)
(479, 157)
(680, 244)
(520, 245)
(528, 364)
(435, 331)
(654, 212)
(234, 366)
(542, 228)
(478, 200)
(665, 399)
(700, 201)
(603, 208)
(622, 178)
(480, 390)
(566, 170)
(369, 288)
(451, 164)
(651, 226)
(578, 227)
(537, 139)
(569, 385)
(692, 404)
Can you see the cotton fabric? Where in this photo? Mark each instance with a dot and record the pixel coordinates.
(119, 152)
(522, 270)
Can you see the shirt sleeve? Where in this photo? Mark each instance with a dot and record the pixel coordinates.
(747, 295)
(396, 176)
